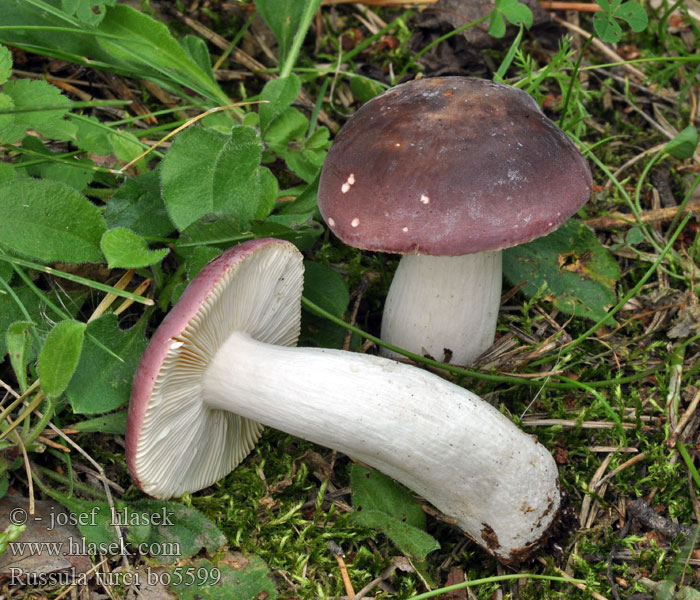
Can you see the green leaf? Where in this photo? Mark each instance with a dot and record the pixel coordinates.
(497, 25)
(28, 94)
(59, 357)
(364, 89)
(114, 423)
(324, 287)
(127, 250)
(382, 503)
(50, 222)
(279, 93)
(684, 144)
(634, 14)
(92, 137)
(138, 205)
(516, 12)
(181, 526)
(6, 120)
(206, 171)
(11, 312)
(77, 175)
(284, 18)
(90, 12)
(142, 40)
(288, 126)
(239, 578)
(19, 346)
(579, 273)
(101, 381)
(607, 28)
(5, 64)
(126, 147)
(197, 50)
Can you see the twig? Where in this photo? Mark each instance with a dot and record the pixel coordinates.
(647, 516)
(622, 467)
(684, 420)
(615, 220)
(576, 6)
(582, 424)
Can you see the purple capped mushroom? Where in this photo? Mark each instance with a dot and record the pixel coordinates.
(449, 171)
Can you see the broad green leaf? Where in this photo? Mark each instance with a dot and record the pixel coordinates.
(284, 18)
(382, 503)
(11, 312)
(112, 423)
(290, 125)
(126, 147)
(138, 205)
(579, 273)
(364, 88)
(90, 12)
(197, 50)
(101, 381)
(59, 357)
(198, 258)
(279, 94)
(6, 120)
(269, 189)
(323, 286)
(634, 14)
(78, 175)
(180, 526)
(28, 94)
(684, 144)
(234, 578)
(516, 12)
(208, 172)
(5, 64)
(606, 27)
(91, 136)
(177, 530)
(127, 250)
(7, 171)
(497, 25)
(50, 221)
(19, 345)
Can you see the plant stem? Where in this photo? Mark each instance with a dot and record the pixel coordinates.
(574, 75)
(310, 9)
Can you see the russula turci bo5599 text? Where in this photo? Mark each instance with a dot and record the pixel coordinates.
(221, 363)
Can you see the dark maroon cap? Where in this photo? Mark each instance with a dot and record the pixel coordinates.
(450, 166)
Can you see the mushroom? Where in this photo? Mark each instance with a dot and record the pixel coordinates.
(449, 171)
(221, 363)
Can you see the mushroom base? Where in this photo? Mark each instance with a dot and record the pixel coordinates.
(440, 440)
(444, 306)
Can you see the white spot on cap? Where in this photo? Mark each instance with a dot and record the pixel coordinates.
(331, 222)
(424, 199)
(405, 230)
(345, 188)
(397, 145)
(550, 224)
(355, 222)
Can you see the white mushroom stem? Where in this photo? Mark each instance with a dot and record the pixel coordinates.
(445, 306)
(440, 440)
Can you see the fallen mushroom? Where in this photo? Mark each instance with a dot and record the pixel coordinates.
(221, 363)
(449, 171)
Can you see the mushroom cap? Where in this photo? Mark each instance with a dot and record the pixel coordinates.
(450, 166)
(175, 443)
